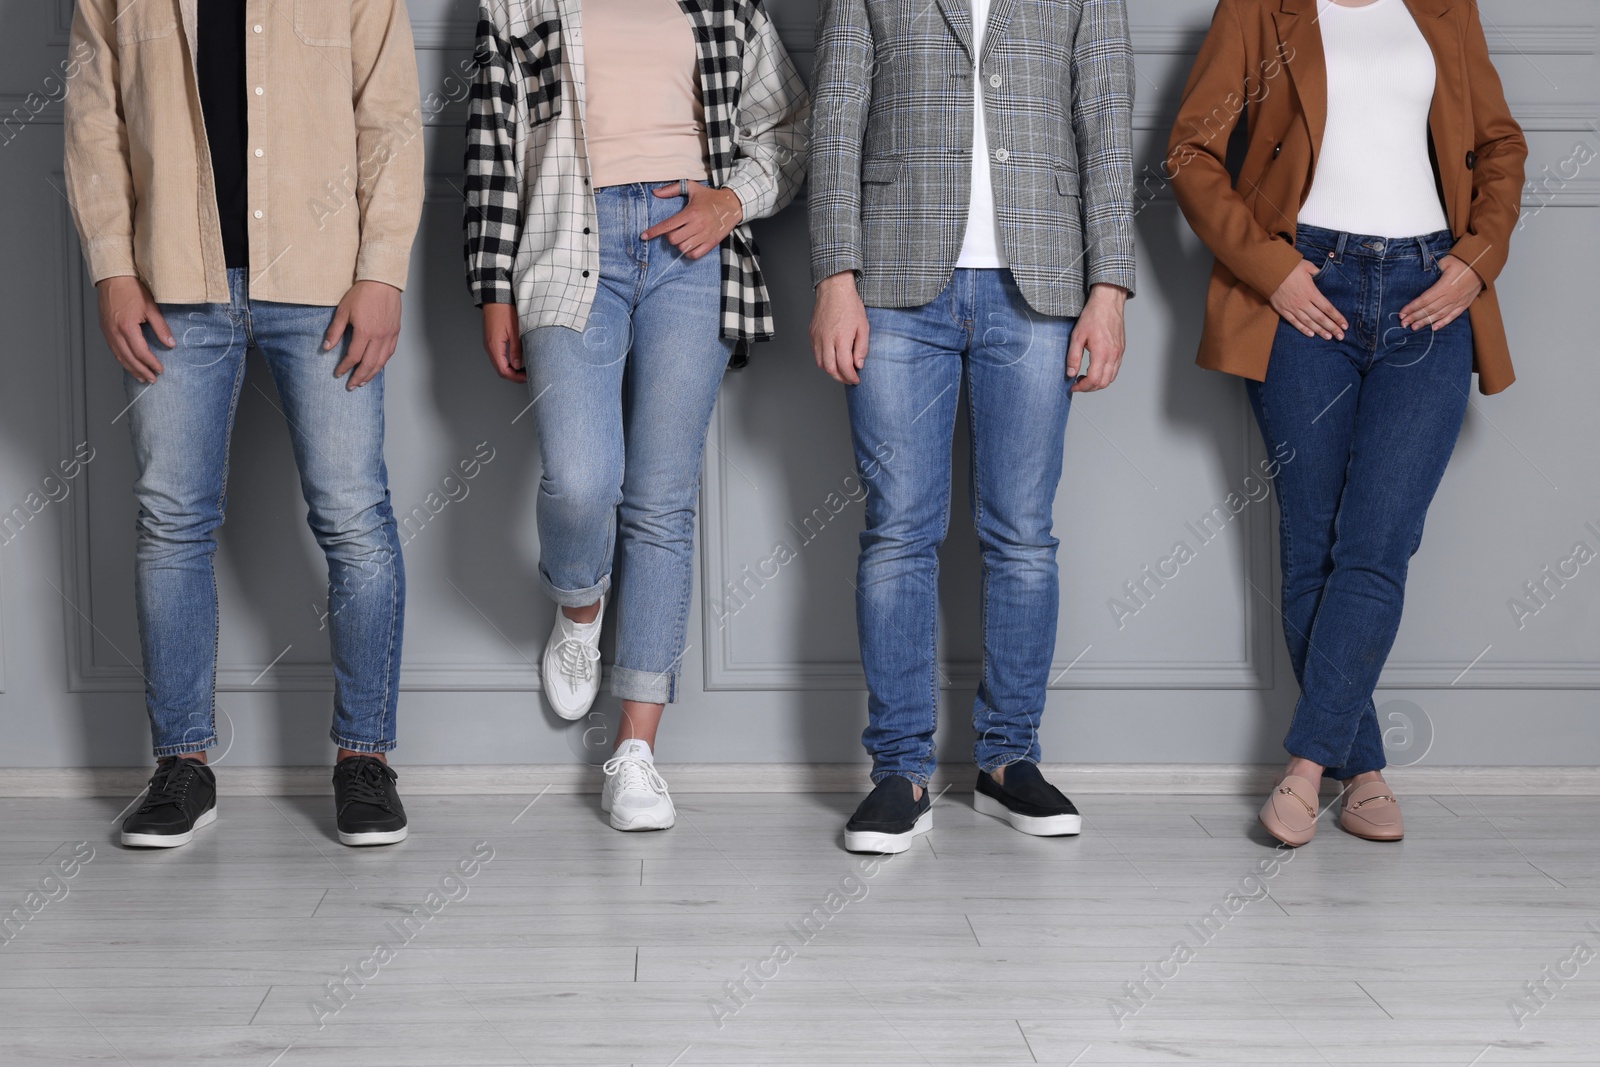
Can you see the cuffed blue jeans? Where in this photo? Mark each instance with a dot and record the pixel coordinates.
(181, 427)
(1363, 429)
(625, 477)
(979, 333)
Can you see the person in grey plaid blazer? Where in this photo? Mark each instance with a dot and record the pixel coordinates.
(971, 206)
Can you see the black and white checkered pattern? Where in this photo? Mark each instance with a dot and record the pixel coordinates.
(892, 140)
(532, 235)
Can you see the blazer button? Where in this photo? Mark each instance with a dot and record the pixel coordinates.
(1277, 150)
(1472, 159)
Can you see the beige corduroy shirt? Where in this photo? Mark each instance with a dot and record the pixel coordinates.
(334, 148)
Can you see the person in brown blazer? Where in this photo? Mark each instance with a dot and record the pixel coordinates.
(1356, 254)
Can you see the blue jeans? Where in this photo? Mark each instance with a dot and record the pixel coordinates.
(1363, 429)
(626, 476)
(181, 429)
(979, 332)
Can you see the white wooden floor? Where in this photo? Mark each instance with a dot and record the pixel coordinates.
(576, 944)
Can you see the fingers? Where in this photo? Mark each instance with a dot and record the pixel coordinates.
(667, 225)
(336, 328)
(514, 354)
(1331, 313)
(1075, 347)
(152, 315)
(128, 361)
(145, 365)
(353, 353)
(378, 352)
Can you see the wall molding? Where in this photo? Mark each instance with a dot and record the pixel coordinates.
(1152, 779)
(723, 672)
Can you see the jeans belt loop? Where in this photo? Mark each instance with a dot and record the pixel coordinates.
(1428, 259)
(1338, 249)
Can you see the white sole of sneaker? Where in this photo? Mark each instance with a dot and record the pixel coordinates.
(373, 837)
(648, 820)
(888, 844)
(168, 840)
(1036, 825)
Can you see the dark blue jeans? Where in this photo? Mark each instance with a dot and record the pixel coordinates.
(1363, 428)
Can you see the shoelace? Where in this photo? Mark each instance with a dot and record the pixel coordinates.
(636, 775)
(578, 658)
(365, 781)
(170, 784)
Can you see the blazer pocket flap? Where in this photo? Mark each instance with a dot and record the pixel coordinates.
(882, 171)
(1066, 183)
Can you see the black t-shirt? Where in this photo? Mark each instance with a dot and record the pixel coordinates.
(222, 101)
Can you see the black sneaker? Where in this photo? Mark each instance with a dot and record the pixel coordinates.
(888, 819)
(366, 803)
(181, 798)
(1027, 802)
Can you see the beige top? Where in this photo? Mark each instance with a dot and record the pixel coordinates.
(643, 118)
(334, 149)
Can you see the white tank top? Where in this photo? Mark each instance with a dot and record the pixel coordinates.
(1373, 175)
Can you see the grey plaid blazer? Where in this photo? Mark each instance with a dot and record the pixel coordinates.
(892, 101)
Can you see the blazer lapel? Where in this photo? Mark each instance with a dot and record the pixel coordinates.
(1300, 38)
(959, 16)
(999, 14)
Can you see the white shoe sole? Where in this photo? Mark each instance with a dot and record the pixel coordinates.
(168, 840)
(373, 837)
(889, 844)
(648, 820)
(1036, 825)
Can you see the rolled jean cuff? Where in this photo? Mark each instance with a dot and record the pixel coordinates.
(575, 598)
(646, 687)
(350, 744)
(163, 751)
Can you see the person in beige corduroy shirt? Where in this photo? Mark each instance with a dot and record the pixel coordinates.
(251, 171)
(335, 164)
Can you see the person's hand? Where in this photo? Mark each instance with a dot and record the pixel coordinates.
(1099, 329)
(371, 310)
(503, 341)
(839, 328)
(1301, 304)
(125, 306)
(708, 217)
(1444, 301)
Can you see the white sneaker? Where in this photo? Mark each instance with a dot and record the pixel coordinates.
(634, 793)
(570, 672)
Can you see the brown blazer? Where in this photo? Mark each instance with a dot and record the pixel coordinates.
(1263, 58)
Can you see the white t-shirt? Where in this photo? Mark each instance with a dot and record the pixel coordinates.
(981, 246)
(1373, 174)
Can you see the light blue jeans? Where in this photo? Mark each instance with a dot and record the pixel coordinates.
(623, 473)
(979, 333)
(181, 427)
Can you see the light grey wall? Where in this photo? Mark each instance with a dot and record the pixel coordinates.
(1199, 674)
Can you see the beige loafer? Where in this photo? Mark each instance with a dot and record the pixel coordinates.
(1370, 811)
(1290, 813)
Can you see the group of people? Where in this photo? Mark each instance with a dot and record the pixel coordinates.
(248, 174)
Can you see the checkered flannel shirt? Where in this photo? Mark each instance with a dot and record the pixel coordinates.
(532, 236)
